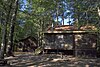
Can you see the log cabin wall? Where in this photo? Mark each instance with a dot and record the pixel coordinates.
(28, 44)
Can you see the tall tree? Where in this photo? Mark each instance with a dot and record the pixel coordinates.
(4, 28)
(85, 11)
(12, 26)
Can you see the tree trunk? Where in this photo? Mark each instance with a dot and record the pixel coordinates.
(63, 18)
(57, 12)
(4, 34)
(3, 44)
(10, 49)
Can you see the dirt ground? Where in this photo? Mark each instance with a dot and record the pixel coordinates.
(50, 60)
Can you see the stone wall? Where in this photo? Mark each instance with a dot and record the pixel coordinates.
(59, 41)
(85, 41)
(83, 44)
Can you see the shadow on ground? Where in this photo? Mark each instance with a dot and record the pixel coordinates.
(50, 60)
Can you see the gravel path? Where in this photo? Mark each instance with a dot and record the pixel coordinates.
(50, 60)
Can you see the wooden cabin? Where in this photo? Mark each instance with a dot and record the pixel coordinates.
(28, 44)
(71, 41)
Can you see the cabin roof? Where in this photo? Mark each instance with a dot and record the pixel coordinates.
(29, 37)
(62, 28)
(71, 29)
(70, 32)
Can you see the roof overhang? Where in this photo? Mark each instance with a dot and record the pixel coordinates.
(47, 32)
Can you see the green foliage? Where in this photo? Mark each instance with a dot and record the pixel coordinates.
(86, 11)
(34, 18)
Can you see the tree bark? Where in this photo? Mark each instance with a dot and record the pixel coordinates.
(3, 44)
(57, 11)
(63, 18)
(4, 35)
(10, 49)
